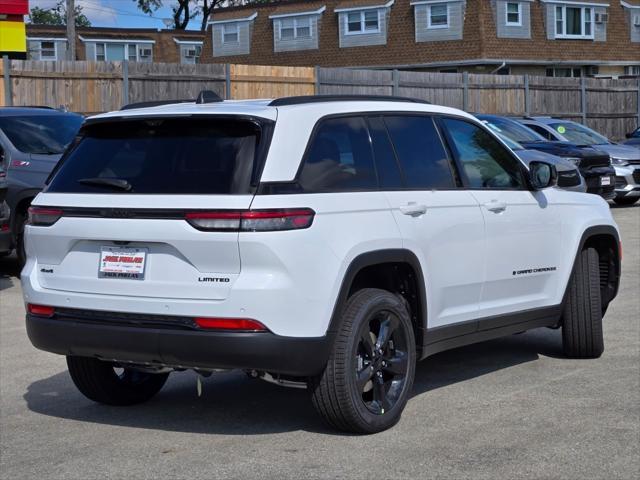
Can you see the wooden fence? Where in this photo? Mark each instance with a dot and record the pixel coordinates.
(609, 106)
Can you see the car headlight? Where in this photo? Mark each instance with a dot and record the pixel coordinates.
(619, 161)
(576, 161)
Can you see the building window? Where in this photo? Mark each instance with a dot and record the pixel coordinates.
(48, 51)
(190, 53)
(293, 28)
(100, 52)
(438, 15)
(366, 21)
(230, 33)
(574, 22)
(131, 53)
(633, 70)
(564, 72)
(514, 14)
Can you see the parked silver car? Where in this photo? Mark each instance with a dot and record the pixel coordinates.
(624, 158)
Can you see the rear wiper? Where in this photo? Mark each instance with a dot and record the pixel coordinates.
(115, 183)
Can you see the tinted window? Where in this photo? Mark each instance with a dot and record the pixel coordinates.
(339, 158)
(43, 134)
(386, 163)
(484, 161)
(420, 152)
(199, 156)
(541, 131)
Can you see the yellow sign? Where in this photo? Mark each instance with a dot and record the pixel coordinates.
(13, 37)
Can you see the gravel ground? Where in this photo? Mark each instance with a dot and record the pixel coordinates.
(507, 408)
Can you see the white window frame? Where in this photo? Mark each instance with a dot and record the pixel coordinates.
(362, 30)
(558, 68)
(429, 7)
(55, 51)
(126, 46)
(583, 22)
(506, 15)
(230, 26)
(296, 25)
(184, 47)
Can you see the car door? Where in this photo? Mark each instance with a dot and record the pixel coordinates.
(523, 228)
(440, 223)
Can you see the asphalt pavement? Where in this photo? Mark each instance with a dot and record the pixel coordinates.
(508, 408)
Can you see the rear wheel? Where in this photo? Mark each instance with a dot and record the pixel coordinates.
(369, 375)
(582, 316)
(626, 200)
(104, 382)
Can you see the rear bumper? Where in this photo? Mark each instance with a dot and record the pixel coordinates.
(264, 351)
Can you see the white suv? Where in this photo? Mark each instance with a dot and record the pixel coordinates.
(327, 242)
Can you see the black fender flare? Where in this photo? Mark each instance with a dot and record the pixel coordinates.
(377, 257)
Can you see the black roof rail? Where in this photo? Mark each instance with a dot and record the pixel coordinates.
(156, 103)
(301, 100)
(207, 96)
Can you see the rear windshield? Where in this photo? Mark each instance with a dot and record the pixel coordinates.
(41, 134)
(162, 156)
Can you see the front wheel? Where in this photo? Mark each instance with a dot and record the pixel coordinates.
(626, 200)
(104, 382)
(369, 375)
(582, 316)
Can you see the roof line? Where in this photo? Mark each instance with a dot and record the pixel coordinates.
(364, 7)
(297, 14)
(229, 20)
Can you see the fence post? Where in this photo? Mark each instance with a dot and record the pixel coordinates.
(527, 98)
(316, 73)
(8, 97)
(227, 81)
(583, 100)
(396, 83)
(465, 91)
(638, 102)
(125, 82)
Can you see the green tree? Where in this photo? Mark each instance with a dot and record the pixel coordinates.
(185, 10)
(57, 15)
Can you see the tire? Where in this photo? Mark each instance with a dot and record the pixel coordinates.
(582, 315)
(21, 220)
(99, 381)
(364, 389)
(626, 200)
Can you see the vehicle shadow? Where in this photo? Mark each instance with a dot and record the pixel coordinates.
(233, 404)
(9, 271)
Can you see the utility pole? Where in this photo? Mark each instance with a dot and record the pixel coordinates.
(71, 30)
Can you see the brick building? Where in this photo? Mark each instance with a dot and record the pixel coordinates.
(46, 42)
(540, 37)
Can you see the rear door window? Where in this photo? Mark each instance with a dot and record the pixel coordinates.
(420, 151)
(163, 156)
(339, 158)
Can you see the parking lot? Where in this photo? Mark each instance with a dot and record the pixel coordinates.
(501, 409)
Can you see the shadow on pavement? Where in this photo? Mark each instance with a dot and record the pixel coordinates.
(233, 404)
(9, 271)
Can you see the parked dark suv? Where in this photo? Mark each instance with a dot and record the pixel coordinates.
(594, 165)
(32, 140)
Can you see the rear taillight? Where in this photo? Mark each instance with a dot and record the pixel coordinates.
(40, 310)
(43, 217)
(251, 220)
(235, 324)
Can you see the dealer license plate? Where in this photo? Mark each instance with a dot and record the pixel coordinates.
(119, 262)
(604, 181)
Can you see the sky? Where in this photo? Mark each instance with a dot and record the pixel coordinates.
(119, 13)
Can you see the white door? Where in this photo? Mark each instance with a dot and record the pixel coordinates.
(443, 225)
(523, 231)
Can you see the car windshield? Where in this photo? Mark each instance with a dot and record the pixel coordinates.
(579, 134)
(512, 129)
(41, 134)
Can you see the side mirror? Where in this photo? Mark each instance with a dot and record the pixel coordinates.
(542, 175)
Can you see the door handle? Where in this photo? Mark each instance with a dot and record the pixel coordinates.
(413, 209)
(495, 206)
